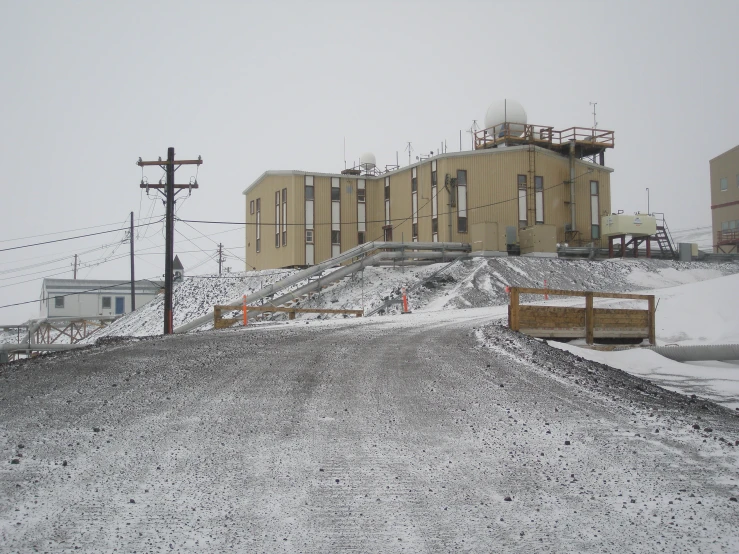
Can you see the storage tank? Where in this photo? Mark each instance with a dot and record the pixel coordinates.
(622, 224)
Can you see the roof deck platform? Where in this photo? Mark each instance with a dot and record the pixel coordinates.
(588, 142)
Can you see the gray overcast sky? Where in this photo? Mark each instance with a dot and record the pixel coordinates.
(88, 87)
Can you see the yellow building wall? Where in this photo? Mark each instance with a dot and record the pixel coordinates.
(492, 197)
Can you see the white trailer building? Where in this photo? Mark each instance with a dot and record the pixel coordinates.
(85, 298)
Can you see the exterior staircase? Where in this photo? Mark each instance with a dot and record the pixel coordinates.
(664, 238)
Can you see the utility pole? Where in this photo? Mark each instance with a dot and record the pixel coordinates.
(169, 193)
(220, 257)
(133, 278)
(75, 266)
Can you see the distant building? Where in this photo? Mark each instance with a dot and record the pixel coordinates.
(518, 176)
(85, 298)
(725, 201)
(177, 269)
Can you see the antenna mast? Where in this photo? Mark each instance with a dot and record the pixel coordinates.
(410, 149)
(595, 123)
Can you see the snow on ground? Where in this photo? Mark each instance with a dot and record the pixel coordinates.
(717, 381)
(697, 313)
(471, 283)
(388, 434)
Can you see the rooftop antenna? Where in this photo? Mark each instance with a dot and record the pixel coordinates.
(344, 152)
(473, 128)
(595, 123)
(410, 149)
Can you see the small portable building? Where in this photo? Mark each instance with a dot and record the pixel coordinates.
(88, 298)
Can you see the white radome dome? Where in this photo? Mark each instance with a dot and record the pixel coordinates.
(367, 161)
(506, 111)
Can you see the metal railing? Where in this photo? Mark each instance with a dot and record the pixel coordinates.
(542, 135)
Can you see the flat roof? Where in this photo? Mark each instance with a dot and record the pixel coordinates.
(95, 286)
(481, 152)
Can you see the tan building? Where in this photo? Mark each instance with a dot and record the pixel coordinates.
(725, 201)
(514, 179)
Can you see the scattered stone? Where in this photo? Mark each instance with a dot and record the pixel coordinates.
(656, 430)
(337, 480)
(96, 429)
(696, 426)
(507, 499)
(732, 499)
(132, 501)
(64, 463)
(567, 443)
(15, 461)
(708, 430)
(21, 446)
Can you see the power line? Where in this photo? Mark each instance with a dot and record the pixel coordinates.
(68, 238)
(401, 219)
(67, 231)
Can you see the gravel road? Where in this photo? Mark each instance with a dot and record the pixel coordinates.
(416, 433)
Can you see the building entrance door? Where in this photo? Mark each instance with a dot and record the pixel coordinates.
(388, 231)
(120, 305)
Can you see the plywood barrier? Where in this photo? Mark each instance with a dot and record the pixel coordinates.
(588, 322)
(220, 322)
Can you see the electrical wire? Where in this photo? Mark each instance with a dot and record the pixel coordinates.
(400, 219)
(67, 238)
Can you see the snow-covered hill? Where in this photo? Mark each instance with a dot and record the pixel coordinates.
(471, 283)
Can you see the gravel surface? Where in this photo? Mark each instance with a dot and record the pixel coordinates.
(405, 434)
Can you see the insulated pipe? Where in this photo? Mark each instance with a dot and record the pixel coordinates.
(349, 269)
(318, 268)
(26, 346)
(698, 353)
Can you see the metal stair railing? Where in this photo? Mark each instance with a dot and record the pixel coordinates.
(362, 251)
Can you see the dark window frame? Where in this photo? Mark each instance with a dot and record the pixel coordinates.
(109, 302)
(59, 302)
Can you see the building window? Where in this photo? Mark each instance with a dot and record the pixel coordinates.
(309, 213)
(106, 300)
(361, 210)
(724, 183)
(335, 216)
(58, 301)
(522, 202)
(251, 207)
(461, 201)
(387, 203)
(277, 219)
(594, 210)
(259, 226)
(284, 217)
(434, 204)
(414, 205)
(539, 186)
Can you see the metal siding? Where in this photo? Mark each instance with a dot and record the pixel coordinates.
(271, 257)
(322, 236)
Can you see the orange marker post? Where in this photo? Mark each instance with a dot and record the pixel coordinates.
(405, 302)
(546, 296)
(246, 317)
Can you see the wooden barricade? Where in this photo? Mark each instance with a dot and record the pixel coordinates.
(220, 322)
(588, 322)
